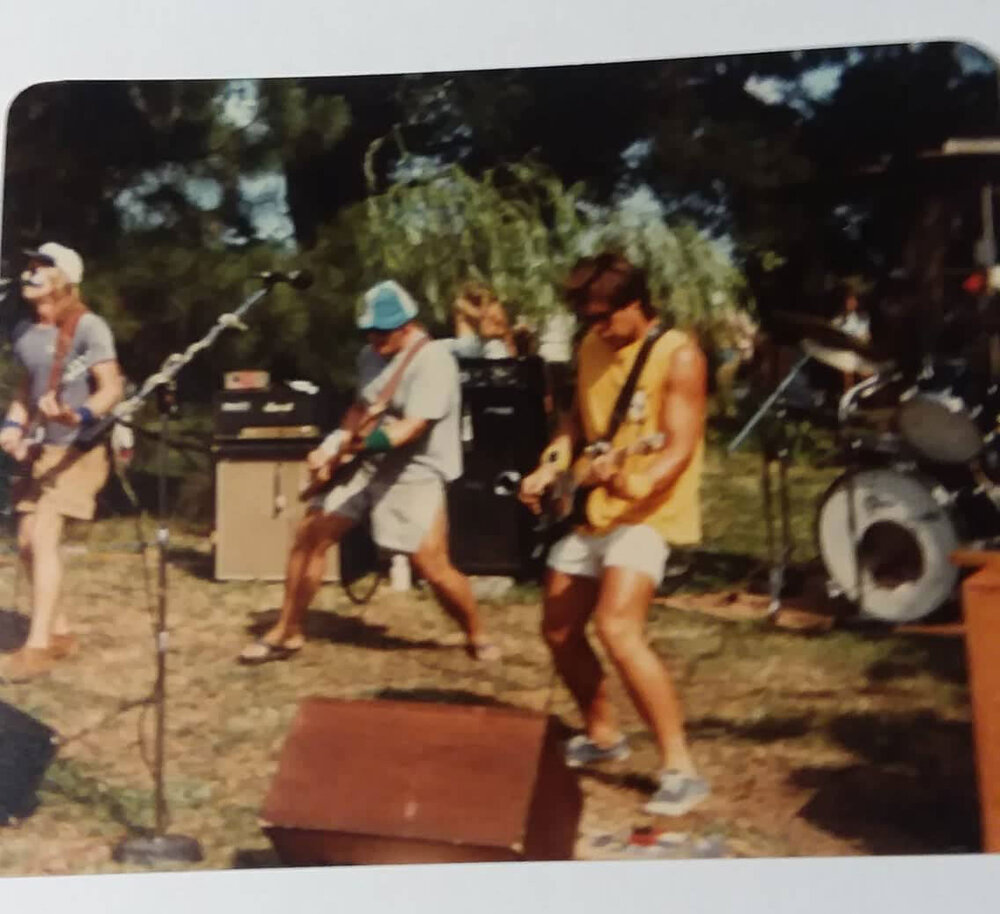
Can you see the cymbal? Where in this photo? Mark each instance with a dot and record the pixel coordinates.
(842, 359)
(821, 331)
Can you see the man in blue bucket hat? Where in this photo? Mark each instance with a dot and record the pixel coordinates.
(397, 476)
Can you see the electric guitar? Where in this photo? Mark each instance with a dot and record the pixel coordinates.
(343, 463)
(339, 467)
(565, 500)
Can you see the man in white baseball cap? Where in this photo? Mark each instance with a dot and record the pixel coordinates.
(63, 258)
(70, 378)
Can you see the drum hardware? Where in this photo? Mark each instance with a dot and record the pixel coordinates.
(774, 452)
(895, 561)
(778, 558)
(766, 406)
(845, 360)
(924, 477)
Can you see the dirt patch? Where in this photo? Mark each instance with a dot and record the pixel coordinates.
(815, 742)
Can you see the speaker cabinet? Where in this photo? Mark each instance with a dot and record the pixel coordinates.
(257, 509)
(411, 782)
(27, 746)
(504, 429)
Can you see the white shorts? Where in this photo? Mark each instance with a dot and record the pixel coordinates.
(587, 555)
(402, 513)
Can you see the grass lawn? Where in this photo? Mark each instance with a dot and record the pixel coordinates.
(847, 742)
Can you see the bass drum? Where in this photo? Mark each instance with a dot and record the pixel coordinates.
(904, 538)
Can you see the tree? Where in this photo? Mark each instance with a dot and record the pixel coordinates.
(520, 228)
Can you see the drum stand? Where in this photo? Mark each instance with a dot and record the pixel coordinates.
(774, 454)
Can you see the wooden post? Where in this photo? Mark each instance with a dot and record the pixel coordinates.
(981, 608)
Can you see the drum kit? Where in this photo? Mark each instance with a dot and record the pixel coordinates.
(921, 452)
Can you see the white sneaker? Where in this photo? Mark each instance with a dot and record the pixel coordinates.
(677, 794)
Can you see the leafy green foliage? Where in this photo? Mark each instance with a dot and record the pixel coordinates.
(519, 228)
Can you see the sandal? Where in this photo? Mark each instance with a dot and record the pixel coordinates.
(264, 652)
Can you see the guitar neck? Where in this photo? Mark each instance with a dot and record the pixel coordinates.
(646, 444)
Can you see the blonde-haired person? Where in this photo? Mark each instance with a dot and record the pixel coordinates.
(482, 327)
(69, 379)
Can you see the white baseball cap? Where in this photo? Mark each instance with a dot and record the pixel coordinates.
(58, 255)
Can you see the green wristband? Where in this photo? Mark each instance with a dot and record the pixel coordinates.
(378, 440)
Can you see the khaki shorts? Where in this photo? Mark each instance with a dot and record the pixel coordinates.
(402, 513)
(64, 480)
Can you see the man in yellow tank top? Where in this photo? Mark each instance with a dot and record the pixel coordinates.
(609, 567)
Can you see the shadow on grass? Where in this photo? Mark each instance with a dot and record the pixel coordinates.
(441, 696)
(914, 791)
(695, 571)
(942, 658)
(321, 625)
(700, 571)
(629, 780)
(13, 629)
(120, 805)
(196, 563)
(769, 729)
(255, 858)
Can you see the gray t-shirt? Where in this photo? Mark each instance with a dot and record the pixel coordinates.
(429, 389)
(35, 346)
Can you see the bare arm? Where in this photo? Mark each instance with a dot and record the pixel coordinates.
(12, 435)
(683, 421)
(18, 409)
(108, 389)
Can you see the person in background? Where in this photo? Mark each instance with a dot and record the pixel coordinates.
(736, 338)
(854, 322)
(482, 327)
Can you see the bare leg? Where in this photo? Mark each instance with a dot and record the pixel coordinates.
(39, 535)
(569, 602)
(452, 588)
(620, 618)
(305, 570)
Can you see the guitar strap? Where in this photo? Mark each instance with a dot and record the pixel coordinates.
(628, 388)
(66, 326)
(386, 393)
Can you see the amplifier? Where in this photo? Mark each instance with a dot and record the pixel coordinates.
(518, 374)
(280, 411)
(504, 429)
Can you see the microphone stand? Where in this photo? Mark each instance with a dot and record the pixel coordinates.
(147, 848)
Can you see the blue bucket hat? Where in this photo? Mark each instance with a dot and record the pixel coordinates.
(387, 306)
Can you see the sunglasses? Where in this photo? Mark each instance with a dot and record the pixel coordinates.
(592, 319)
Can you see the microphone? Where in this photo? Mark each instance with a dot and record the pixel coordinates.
(5, 282)
(297, 279)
